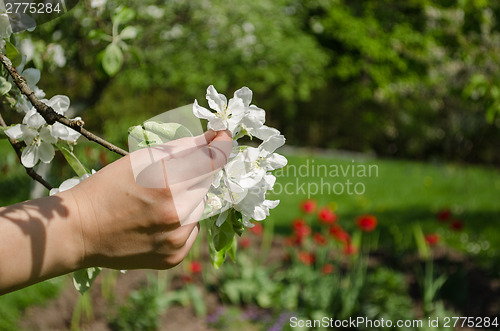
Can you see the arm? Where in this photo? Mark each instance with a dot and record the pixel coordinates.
(107, 220)
(33, 235)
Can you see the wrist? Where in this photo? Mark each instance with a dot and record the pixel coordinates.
(75, 230)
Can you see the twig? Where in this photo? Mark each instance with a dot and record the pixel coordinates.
(49, 114)
(17, 145)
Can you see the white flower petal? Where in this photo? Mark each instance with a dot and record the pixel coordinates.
(275, 161)
(29, 134)
(202, 112)
(53, 191)
(245, 94)
(271, 144)
(32, 76)
(45, 135)
(39, 93)
(60, 103)
(271, 204)
(216, 101)
(265, 132)
(217, 179)
(251, 154)
(46, 152)
(29, 156)
(69, 184)
(15, 132)
(33, 119)
(217, 124)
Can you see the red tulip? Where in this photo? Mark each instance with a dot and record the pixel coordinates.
(319, 239)
(187, 279)
(328, 268)
(257, 229)
(245, 242)
(326, 215)
(350, 249)
(367, 223)
(338, 233)
(306, 258)
(432, 239)
(444, 215)
(308, 206)
(301, 228)
(457, 225)
(195, 267)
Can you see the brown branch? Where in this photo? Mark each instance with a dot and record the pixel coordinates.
(17, 145)
(49, 114)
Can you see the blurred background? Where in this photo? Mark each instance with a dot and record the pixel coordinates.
(410, 87)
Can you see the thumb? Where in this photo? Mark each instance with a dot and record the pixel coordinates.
(220, 148)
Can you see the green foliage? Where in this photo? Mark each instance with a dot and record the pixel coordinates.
(112, 59)
(5, 86)
(412, 79)
(72, 160)
(141, 312)
(386, 296)
(145, 306)
(13, 304)
(221, 239)
(13, 54)
(84, 278)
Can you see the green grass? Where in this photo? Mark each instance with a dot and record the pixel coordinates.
(400, 194)
(13, 304)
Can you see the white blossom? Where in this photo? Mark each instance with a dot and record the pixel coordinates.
(262, 159)
(244, 181)
(97, 3)
(57, 53)
(227, 114)
(37, 137)
(40, 137)
(5, 27)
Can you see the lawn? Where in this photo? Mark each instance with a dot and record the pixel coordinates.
(400, 193)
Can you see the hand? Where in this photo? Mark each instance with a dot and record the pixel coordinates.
(124, 225)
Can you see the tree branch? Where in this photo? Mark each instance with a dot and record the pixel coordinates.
(17, 145)
(49, 114)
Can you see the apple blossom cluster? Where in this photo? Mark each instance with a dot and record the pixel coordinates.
(242, 184)
(39, 136)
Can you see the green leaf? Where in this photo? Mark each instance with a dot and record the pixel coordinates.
(167, 131)
(130, 32)
(232, 250)
(423, 248)
(112, 59)
(2, 133)
(13, 54)
(237, 223)
(99, 34)
(220, 241)
(222, 235)
(5, 86)
(73, 161)
(197, 300)
(83, 279)
(144, 137)
(152, 133)
(492, 111)
(124, 16)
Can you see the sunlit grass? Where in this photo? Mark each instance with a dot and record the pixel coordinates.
(399, 194)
